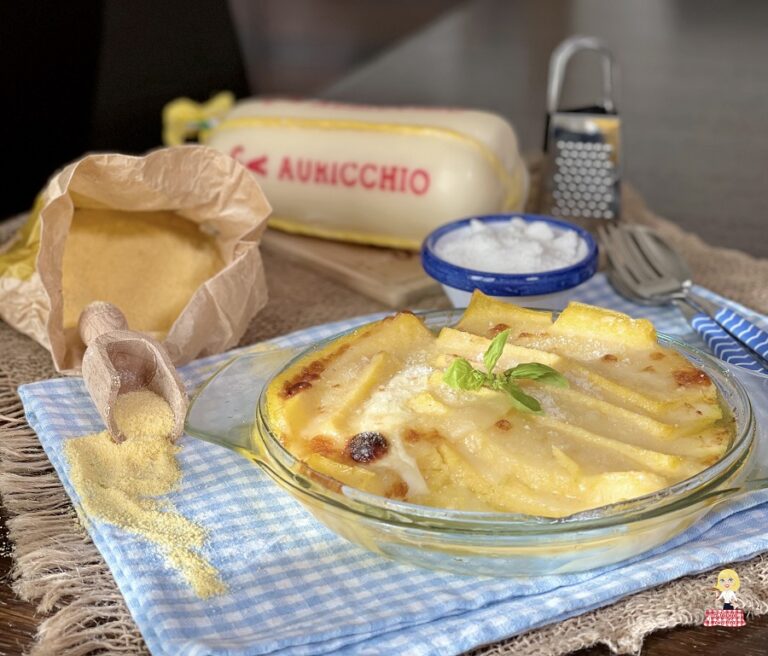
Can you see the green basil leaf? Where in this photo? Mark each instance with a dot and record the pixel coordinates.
(492, 355)
(520, 399)
(539, 372)
(496, 382)
(461, 375)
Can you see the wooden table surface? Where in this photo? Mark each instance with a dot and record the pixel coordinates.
(692, 101)
(18, 620)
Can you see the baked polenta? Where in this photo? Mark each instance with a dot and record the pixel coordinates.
(507, 411)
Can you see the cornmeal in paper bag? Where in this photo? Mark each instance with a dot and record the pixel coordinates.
(170, 238)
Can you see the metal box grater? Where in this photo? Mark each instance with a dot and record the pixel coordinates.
(582, 167)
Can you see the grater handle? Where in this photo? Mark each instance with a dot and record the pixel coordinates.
(559, 61)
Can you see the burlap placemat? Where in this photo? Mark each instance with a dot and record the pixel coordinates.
(58, 567)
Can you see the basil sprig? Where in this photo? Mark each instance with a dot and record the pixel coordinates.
(462, 375)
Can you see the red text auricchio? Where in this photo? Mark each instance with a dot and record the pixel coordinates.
(363, 175)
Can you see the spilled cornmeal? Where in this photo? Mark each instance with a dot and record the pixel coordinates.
(121, 484)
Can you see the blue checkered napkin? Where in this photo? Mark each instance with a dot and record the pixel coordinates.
(296, 588)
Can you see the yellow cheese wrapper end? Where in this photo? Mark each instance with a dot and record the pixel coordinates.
(183, 118)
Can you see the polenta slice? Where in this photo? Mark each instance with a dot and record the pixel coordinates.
(383, 409)
(487, 317)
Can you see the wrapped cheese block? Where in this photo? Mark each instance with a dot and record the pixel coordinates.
(377, 175)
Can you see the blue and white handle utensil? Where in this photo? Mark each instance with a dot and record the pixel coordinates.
(722, 344)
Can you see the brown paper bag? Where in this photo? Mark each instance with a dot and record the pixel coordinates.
(198, 183)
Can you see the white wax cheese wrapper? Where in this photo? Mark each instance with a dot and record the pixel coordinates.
(377, 175)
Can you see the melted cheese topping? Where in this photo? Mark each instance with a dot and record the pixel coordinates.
(372, 410)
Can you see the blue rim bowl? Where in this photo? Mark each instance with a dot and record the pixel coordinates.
(508, 284)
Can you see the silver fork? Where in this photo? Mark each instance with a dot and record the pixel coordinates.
(644, 268)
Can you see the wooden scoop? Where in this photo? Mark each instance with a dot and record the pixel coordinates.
(118, 360)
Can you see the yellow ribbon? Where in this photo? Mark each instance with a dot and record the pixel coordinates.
(183, 118)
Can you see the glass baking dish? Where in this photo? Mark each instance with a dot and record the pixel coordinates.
(230, 410)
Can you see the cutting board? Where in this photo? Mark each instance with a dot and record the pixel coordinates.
(393, 277)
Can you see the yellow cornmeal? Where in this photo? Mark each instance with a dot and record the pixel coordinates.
(119, 484)
(147, 263)
(144, 415)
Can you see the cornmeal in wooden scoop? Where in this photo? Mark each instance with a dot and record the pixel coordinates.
(148, 264)
(121, 484)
